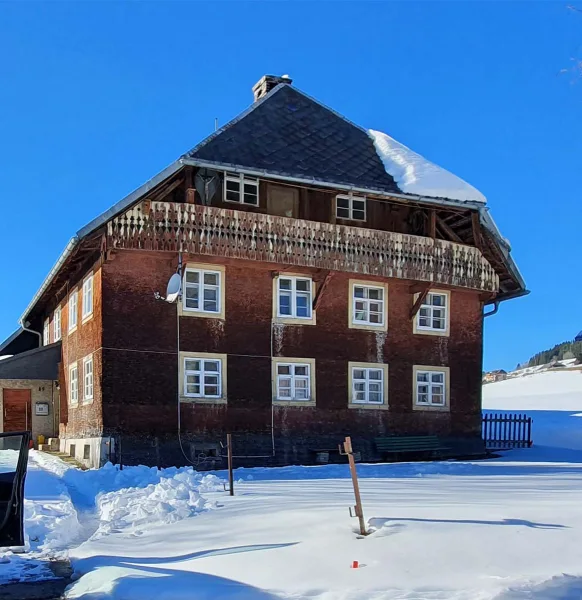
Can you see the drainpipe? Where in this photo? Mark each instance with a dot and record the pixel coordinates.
(492, 312)
(25, 328)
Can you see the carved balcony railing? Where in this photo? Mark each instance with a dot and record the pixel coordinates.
(205, 230)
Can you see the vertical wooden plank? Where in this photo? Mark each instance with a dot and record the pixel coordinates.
(432, 224)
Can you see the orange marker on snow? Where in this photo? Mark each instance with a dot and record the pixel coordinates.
(355, 564)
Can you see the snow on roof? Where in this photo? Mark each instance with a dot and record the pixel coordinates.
(416, 175)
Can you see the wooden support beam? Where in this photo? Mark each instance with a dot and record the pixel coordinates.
(476, 230)
(165, 191)
(319, 294)
(449, 231)
(416, 306)
(432, 224)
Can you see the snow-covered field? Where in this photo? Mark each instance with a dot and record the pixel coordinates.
(503, 529)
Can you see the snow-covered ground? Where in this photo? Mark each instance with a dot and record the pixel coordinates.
(503, 529)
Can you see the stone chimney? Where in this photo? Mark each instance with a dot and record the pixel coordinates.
(267, 83)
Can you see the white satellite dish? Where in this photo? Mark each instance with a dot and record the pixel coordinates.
(174, 288)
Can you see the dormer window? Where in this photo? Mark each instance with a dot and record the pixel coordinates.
(350, 207)
(241, 188)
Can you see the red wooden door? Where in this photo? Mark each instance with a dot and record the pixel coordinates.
(17, 410)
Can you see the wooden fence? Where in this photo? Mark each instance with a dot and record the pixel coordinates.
(503, 430)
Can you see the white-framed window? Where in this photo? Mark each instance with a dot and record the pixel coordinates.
(87, 309)
(368, 305)
(241, 188)
(368, 385)
(202, 377)
(293, 381)
(88, 378)
(433, 313)
(431, 388)
(350, 207)
(57, 324)
(294, 297)
(73, 384)
(46, 330)
(202, 291)
(73, 310)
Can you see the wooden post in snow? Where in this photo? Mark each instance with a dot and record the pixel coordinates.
(359, 511)
(230, 473)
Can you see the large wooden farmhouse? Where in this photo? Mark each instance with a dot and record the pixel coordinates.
(333, 283)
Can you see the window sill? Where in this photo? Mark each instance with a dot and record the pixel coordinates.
(294, 321)
(295, 403)
(72, 330)
(369, 327)
(434, 332)
(188, 312)
(87, 402)
(189, 400)
(363, 406)
(86, 318)
(428, 408)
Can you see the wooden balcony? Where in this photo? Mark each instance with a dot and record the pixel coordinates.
(205, 230)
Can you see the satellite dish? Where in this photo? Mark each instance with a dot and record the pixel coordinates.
(174, 288)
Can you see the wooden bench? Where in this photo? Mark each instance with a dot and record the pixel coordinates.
(420, 444)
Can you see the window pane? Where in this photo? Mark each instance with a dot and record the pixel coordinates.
(192, 365)
(438, 324)
(301, 384)
(424, 312)
(359, 292)
(375, 294)
(361, 316)
(343, 213)
(422, 398)
(211, 390)
(376, 397)
(360, 396)
(343, 203)
(359, 374)
(283, 369)
(301, 394)
(301, 370)
(437, 377)
(303, 309)
(375, 386)
(375, 374)
(250, 188)
(211, 278)
(359, 214)
(375, 318)
(233, 196)
(211, 365)
(210, 306)
(423, 322)
(284, 284)
(422, 376)
(193, 379)
(232, 185)
(250, 199)
(285, 304)
(360, 386)
(192, 277)
(210, 294)
(359, 205)
(303, 285)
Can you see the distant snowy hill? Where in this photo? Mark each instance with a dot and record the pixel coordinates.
(554, 400)
(549, 390)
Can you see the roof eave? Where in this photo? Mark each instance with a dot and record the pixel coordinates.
(95, 224)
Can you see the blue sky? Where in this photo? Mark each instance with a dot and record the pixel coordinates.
(95, 98)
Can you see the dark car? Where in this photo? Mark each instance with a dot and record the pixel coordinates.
(13, 461)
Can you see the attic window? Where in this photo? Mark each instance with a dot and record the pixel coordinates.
(350, 207)
(241, 188)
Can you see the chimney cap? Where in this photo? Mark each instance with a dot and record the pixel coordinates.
(267, 82)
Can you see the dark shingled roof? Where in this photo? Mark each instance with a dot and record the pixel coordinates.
(19, 341)
(40, 363)
(288, 133)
